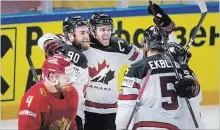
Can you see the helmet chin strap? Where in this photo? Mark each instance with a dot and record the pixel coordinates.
(53, 84)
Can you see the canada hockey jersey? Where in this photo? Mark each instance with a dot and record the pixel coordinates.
(81, 76)
(160, 106)
(104, 66)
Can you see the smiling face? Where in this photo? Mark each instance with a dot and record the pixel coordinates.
(103, 34)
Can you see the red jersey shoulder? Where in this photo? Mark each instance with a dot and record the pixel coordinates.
(37, 90)
(36, 93)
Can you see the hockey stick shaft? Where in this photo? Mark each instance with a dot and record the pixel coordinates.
(204, 11)
(139, 97)
(34, 73)
(196, 30)
(175, 69)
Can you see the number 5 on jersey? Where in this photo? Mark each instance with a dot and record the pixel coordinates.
(167, 91)
(29, 100)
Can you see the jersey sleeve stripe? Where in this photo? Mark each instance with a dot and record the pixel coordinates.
(154, 124)
(126, 91)
(100, 105)
(128, 97)
(134, 56)
(136, 85)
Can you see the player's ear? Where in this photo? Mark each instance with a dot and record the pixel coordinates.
(71, 37)
(146, 46)
(52, 77)
(92, 33)
(95, 32)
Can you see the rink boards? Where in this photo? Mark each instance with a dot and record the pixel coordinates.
(20, 33)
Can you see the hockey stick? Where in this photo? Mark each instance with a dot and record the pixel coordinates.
(175, 69)
(34, 73)
(137, 105)
(204, 11)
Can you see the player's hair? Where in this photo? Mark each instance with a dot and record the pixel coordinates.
(70, 23)
(99, 19)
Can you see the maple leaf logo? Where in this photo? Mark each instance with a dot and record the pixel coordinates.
(104, 74)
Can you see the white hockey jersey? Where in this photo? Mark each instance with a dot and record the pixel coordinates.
(160, 106)
(81, 77)
(104, 66)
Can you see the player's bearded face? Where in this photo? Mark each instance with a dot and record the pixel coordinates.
(81, 37)
(103, 34)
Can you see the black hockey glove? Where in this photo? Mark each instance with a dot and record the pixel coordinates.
(162, 19)
(52, 47)
(179, 53)
(187, 87)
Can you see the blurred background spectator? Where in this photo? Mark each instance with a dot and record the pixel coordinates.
(8, 7)
(48, 6)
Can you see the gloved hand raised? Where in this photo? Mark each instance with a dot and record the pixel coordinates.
(52, 47)
(162, 19)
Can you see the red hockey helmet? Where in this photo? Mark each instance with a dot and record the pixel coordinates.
(60, 65)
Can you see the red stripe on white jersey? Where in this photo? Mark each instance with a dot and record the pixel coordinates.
(155, 124)
(136, 85)
(128, 97)
(134, 56)
(100, 105)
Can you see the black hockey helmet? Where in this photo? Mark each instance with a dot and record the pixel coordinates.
(70, 23)
(155, 39)
(178, 52)
(99, 19)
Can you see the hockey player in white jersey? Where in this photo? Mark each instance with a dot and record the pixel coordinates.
(71, 44)
(179, 55)
(162, 105)
(106, 56)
